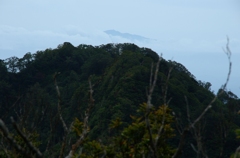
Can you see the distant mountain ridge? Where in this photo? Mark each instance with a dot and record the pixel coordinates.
(128, 36)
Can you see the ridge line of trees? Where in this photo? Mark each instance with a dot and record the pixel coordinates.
(116, 71)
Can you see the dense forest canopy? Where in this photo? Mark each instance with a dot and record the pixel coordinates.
(119, 76)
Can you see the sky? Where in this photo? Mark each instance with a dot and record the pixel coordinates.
(192, 33)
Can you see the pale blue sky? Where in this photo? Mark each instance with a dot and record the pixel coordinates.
(190, 32)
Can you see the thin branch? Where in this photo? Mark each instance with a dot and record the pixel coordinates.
(161, 127)
(202, 114)
(85, 123)
(49, 138)
(25, 139)
(152, 144)
(188, 112)
(150, 80)
(193, 147)
(3, 146)
(166, 87)
(152, 85)
(187, 129)
(237, 152)
(64, 141)
(179, 125)
(228, 53)
(11, 140)
(165, 108)
(59, 102)
(196, 132)
(67, 131)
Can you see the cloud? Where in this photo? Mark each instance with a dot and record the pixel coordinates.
(21, 40)
(203, 57)
(74, 30)
(131, 37)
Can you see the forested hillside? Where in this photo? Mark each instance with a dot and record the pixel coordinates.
(92, 101)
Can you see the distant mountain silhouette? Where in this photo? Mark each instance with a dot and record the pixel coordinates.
(128, 36)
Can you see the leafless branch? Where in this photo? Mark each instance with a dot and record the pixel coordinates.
(11, 140)
(34, 150)
(64, 141)
(151, 76)
(187, 129)
(228, 53)
(152, 85)
(66, 129)
(196, 132)
(178, 125)
(165, 90)
(2, 146)
(237, 153)
(50, 136)
(193, 147)
(188, 112)
(85, 132)
(161, 127)
(59, 102)
(165, 108)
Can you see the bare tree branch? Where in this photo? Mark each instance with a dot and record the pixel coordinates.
(188, 112)
(166, 103)
(85, 123)
(11, 140)
(66, 129)
(228, 53)
(59, 102)
(152, 84)
(187, 129)
(237, 153)
(34, 150)
(49, 139)
(166, 88)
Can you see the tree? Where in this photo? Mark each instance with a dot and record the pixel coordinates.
(72, 127)
(12, 64)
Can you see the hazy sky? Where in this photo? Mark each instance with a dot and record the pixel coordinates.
(190, 32)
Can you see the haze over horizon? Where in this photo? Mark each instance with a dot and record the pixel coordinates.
(192, 33)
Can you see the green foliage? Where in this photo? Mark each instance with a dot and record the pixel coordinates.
(134, 139)
(120, 75)
(237, 131)
(77, 127)
(33, 137)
